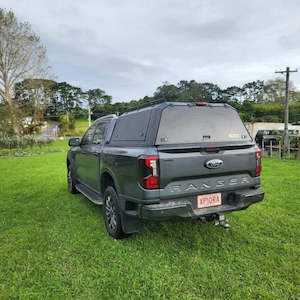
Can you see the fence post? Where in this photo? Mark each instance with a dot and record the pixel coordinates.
(271, 149)
(279, 149)
(263, 145)
(289, 150)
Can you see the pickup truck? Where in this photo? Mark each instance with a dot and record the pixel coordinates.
(163, 160)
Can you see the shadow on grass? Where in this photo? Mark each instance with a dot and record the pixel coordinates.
(179, 232)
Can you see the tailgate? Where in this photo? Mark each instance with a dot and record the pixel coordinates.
(192, 171)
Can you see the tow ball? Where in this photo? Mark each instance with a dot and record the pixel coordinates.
(222, 221)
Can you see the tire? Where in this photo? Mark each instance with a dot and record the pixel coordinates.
(112, 215)
(71, 187)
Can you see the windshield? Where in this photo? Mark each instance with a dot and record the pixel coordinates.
(196, 124)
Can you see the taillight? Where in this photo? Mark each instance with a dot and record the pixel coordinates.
(258, 156)
(149, 173)
(201, 103)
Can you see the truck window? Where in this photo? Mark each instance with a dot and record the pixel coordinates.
(194, 124)
(99, 134)
(87, 138)
(132, 127)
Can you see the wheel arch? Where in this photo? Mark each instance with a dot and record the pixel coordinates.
(107, 178)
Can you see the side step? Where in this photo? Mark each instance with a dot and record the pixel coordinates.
(91, 195)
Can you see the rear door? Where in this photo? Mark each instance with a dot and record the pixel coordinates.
(88, 160)
(95, 155)
(203, 149)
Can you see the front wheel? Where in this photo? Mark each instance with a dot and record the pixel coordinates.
(112, 214)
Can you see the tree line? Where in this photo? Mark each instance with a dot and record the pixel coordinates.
(255, 101)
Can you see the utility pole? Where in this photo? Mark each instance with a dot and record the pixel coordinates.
(287, 71)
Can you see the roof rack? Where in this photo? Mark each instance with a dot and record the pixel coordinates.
(164, 101)
(145, 105)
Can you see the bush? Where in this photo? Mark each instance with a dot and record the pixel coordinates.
(274, 112)
(65, 126)
(30, 140)
(14, 142)
(295, 142)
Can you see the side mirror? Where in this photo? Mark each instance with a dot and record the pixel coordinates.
(74, 142)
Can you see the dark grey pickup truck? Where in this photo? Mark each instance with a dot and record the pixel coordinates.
(191, 160)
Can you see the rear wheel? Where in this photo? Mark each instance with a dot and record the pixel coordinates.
(71, 187)
(112, 214)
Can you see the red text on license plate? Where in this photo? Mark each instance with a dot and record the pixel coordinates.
(209, 200)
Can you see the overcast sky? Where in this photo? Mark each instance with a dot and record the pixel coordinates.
(128, 48)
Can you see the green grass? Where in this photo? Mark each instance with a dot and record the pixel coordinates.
(81, 123)
(53, 245)
(81, 127)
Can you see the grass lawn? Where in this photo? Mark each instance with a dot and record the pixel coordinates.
(81, 127)
(54, 245)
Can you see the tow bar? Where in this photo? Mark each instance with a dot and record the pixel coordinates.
(222, 221)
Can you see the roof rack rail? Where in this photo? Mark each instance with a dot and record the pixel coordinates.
(151, 103)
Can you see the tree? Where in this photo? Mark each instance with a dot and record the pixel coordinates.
(195, 92)
(274, 90)
(166, 92)
(66, 98)
(33, 96)
(97, 97)
(213, 90)
(252, 91)
(232, 94)
(295, 96)
(21, 56)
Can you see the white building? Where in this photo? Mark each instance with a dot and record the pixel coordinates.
(255, 126)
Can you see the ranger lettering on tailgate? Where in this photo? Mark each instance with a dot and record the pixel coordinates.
(177, 188)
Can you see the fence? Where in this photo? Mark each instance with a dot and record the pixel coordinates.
(272, 149)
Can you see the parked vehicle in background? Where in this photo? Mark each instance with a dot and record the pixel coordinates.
(189, 160)
(268, 136)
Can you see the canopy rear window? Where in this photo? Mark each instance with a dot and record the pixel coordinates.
(196, 124)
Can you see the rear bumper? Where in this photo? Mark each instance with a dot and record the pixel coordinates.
(186, 207)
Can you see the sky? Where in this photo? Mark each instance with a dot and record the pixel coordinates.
(129, 48)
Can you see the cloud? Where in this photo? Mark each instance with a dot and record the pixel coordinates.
(128, 48)
(221, 29)
(290, 40)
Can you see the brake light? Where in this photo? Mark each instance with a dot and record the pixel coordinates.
(258, 156)
(201, 103)
(149, 178)
(212, 149)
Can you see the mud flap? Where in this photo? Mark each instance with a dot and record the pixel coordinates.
(130, 223)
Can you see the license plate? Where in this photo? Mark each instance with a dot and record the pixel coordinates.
(209, 200)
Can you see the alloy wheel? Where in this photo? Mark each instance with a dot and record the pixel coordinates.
(110, 211)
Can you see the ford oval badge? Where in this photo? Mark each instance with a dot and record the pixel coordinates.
(214, 163)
